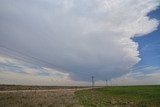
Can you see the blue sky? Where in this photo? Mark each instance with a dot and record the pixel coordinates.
(65, 42)
(149, 45)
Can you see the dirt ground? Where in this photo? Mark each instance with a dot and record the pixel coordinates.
(39, 98)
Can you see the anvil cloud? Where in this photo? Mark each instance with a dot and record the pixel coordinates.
(77, 38)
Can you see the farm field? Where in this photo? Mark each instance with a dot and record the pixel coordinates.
(62, 96)
(38, 96)
(120, 96)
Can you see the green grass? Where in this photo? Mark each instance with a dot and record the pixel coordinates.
(120, 96)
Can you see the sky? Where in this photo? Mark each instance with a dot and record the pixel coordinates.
(65, 42)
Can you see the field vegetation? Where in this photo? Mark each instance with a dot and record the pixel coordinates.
(37, 98)
(55, 96)
(120, 96)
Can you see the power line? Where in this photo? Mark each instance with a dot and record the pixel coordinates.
(35, 58)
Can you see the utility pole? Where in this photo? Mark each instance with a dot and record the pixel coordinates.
(92, 82)
(106, 82)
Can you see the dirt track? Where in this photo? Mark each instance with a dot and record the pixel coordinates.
(51, 90)
(39, 98)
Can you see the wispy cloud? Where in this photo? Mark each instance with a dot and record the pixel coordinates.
(138, 78)
(29, 75)
(152, 47)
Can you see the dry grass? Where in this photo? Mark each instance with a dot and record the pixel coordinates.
(60, 98)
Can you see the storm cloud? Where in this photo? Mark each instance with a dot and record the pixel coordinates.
(78, 37)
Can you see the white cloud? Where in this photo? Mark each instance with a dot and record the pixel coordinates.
(22, 74)
(9, 77)
(138, 78)
(81, 38)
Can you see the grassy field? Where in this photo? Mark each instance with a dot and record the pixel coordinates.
(52, 96)
(120, 96)
(38, 96)
(59, 98)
